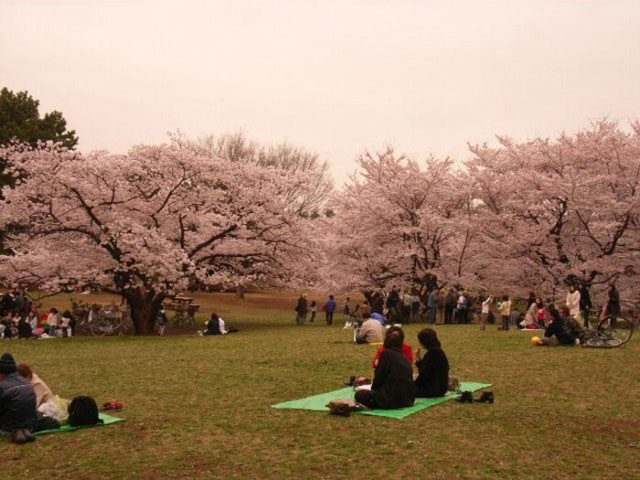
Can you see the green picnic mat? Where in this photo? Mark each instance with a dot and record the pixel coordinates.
(108, 420)
(319, 402)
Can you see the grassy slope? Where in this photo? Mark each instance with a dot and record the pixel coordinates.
(199, 407)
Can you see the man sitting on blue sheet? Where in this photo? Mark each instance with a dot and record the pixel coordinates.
(17, 403)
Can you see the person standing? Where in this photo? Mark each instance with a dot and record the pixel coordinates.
(432, 305)
(301, 309)
(484, 314)
(329, 308)
(573, 301)
(612, 309)
(377, 305)
(314, 310)
(462, 308)
(161, 320)
(505, 312)
(449, 306)
(531, 300)
(392, 304)
(585, 303)
(441, 306)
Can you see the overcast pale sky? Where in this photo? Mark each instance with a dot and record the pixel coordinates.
(334, 77)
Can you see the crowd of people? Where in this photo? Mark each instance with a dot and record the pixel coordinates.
(20, 318)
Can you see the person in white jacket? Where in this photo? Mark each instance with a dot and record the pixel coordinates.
(484, 314)
(573, 301)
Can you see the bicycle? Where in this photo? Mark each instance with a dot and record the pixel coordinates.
(610, 332)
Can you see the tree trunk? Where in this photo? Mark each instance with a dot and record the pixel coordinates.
(144, 309)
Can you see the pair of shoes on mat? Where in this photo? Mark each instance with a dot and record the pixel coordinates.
(112, 406)
(467, 397)
(21, 436)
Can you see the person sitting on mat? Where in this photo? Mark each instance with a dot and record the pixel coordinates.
(17, 403)
(406, 348)
(371, 331)
(392, 385)
(43, 392)
(433, 369)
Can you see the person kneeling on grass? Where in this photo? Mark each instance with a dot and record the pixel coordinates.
(371, 331)
(17, 403)
(433, 369)
(392, 385)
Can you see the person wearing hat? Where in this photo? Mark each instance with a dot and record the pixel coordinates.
(17, 402)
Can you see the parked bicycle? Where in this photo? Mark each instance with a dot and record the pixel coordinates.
(609, 332)
(95, 319)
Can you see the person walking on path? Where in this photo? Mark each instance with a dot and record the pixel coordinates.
(329, 308)
(301, 309)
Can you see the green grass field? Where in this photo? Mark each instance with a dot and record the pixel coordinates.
(199, 407)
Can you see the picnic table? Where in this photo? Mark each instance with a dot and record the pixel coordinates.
(184, 311)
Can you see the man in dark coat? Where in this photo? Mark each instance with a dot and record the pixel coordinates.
(393, 378)
(301, 309)
(585, 303)
(17, 403)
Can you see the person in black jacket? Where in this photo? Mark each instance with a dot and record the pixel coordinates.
(392, 385)
(585, 303)
(17, 402)
(561, 329)
(433, 369)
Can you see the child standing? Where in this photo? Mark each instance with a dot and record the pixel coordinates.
(314, 310)
(505, 312)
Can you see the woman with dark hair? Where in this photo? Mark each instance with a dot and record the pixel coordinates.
(392, 385)
(406, 348)
(215, 326)
(433, 369)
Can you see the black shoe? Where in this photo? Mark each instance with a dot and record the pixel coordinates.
(466, 397)
(486, 397)
(17, 436)
(28, 435)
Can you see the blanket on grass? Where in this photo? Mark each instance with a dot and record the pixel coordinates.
(107, 419)
(319, 402)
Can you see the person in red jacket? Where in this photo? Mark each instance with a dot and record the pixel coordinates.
(406, 348)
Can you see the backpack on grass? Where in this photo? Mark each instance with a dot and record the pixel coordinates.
(83, 411)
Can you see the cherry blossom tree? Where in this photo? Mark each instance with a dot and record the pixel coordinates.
(404, 223)
(147, 224)
(562, 211)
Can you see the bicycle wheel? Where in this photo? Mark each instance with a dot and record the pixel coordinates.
(613, 331)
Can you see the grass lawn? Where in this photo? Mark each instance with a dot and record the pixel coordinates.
(199, 407)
